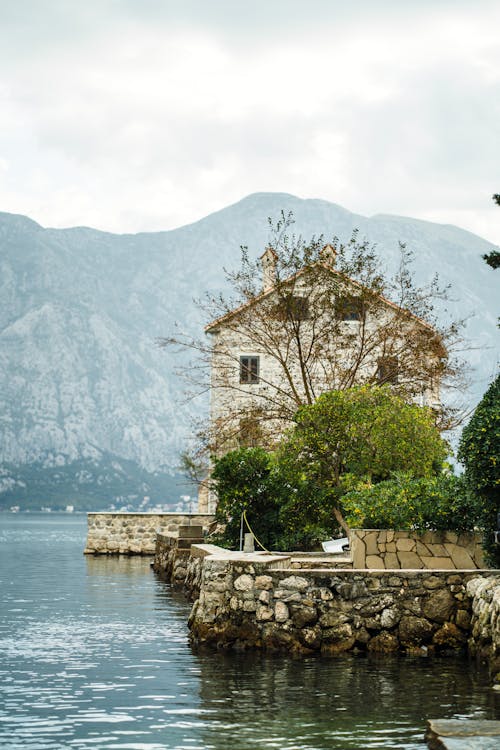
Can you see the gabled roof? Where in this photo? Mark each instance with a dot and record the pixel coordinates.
(268, 292)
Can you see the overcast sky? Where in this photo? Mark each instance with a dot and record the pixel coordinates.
(133, 115)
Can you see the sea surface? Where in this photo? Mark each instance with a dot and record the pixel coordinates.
(94, 653)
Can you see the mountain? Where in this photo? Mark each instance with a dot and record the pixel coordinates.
(88, 402)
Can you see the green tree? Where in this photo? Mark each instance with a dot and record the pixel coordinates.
(366, 431)
(244, 482)
(479, 452)
(404, 502)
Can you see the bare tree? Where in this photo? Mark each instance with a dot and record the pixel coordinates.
(312, 317)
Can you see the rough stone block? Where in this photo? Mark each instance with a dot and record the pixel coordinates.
(339, 634)
(415, 631)
(311, 637)
(440, 606)
(409, 560)
(390, 617)
(263, 582)
(449, 636)
(374, 562)
(264, 613)
(391, 561)
(405, 544)
(384, 643)
(295, 582)
(281, 613)
(461, 558)
(433, 582)
(438, 563)
(244, 583)
(302, 616)
(358, 553)
(371, 543)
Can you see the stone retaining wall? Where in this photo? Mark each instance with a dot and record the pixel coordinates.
(135, 533)
(484, 640)
(436, 550)
(250, 601)
(181, 566)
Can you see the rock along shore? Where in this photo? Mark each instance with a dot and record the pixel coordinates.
(268, 602)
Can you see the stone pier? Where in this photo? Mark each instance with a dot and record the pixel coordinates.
(135, 533)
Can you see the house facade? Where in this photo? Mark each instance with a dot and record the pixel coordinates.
(311, 332)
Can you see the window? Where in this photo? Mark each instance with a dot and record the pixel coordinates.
(249, 369)
(350, 308)
(387, 370)
(292, 307)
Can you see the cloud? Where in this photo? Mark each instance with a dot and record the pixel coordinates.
(132, 116)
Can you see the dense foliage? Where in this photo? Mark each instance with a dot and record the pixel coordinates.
(294, 498)
(367, 431)
(405, 502)
(244, 481)
(479, 451)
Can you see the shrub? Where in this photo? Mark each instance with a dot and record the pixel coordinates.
(243, 480)
(365, 431)
(406, 502)
(479, 451)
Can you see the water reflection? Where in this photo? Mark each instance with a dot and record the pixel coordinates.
(345, 702)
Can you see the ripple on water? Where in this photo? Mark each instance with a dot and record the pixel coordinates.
(94, 655)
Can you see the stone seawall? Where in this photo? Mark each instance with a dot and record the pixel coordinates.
(260, 601)
(245, 604)
(135, 533)
(484, 640)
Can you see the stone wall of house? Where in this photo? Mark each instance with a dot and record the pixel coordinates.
(135, 533)
(437, 550)
(484, 641)
(254, 601)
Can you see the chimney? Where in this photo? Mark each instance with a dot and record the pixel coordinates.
(328, 255)
(268, 260)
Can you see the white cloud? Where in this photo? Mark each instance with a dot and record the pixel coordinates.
(132, 116)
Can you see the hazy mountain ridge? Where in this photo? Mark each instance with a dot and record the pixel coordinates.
(81, 378)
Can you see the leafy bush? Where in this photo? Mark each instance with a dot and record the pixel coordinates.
(479, 451)
(368, 431)
(406, 502)
(284, 512)
(244, 481)
(365, 431)
(294, 498)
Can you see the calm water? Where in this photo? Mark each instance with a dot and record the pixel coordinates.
(94, 654)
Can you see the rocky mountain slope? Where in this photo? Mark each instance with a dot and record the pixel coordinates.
(86, 394)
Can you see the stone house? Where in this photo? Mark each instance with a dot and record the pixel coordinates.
(314, 331)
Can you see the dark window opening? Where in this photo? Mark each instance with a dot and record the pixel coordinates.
(350, 308)
(293, 308)
(387, 370)
(249, 369)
